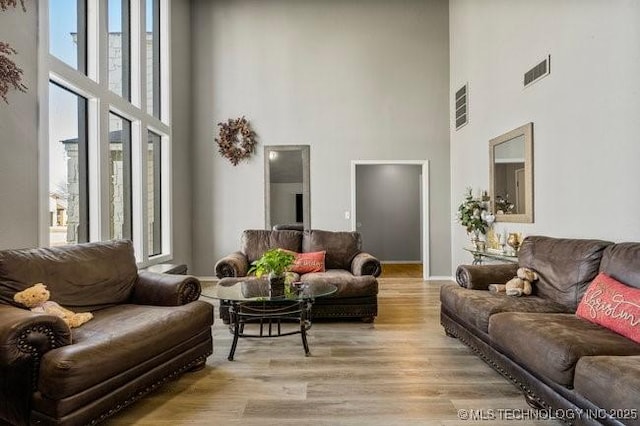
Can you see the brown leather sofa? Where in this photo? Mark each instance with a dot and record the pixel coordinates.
(147, 329)
(581, 372)
(353, 271)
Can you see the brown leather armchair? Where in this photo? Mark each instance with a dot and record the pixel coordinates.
(147, 328)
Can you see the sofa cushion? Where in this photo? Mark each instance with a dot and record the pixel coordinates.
(309, 262)
(341, 247)
(81, 277)
(256, 241)
(117, 339)
(622, 262)
(613, 305)
(565, 266)
(475, 307)
(550, 345)
(348, 284)
(612, 383)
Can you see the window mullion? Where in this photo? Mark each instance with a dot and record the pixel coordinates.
(167, 196)
(126, 49)
(100, 173)
(43, 123)
(165, 61)
(95, 25)
(138, 60)
(158, 15)
(139, 183)
(64, 75)
(157, 125)
(98, 170)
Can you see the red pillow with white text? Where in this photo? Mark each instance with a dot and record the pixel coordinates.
(309, 262)
(613, 305)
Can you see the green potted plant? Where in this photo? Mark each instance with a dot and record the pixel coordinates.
(274, 263)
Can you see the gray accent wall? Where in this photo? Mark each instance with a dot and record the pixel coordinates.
(355, 80)
(19, 196)
(585, 113)
(388, 211)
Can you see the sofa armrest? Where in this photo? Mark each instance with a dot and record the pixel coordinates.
(478, 277)
(234, 265)
(365, 264)
(165, 289)
(25, 337)
(26, 334)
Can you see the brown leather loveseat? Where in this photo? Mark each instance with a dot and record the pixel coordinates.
(147, 328)
(353, 271)
(579, 371)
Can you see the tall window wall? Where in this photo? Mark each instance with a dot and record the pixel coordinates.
(109, 128)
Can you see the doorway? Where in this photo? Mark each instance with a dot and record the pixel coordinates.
(389, 207)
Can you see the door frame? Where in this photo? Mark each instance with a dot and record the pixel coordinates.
(424, 217)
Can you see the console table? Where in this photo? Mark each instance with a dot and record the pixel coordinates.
(480, 255)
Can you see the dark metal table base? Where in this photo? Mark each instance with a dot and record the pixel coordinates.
(269, 316)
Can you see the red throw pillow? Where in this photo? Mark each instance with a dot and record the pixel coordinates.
(309, 262)
(613, 305)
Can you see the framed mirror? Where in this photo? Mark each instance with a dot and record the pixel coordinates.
(511, 175)
(286, 186)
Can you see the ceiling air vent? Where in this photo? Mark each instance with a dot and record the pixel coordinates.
(539, 71)
(461, 107)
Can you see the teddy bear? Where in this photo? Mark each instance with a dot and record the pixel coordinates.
(519, 285)
(36, 298)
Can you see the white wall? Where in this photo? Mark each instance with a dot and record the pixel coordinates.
(182, 130)
(19, 134)
(353, 79)
(585, 114)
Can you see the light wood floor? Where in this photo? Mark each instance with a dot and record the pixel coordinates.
(400, 370)
(401, 270)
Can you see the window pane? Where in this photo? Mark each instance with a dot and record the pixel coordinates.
(68, 200)
(153, 57)
(120, 177)
(153, 194)
(119, 48)
(68, 32)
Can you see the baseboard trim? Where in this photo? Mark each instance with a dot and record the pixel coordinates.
(440, 278)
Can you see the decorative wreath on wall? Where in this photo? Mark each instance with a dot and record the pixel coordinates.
(236, 141)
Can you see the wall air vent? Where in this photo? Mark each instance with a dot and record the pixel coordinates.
(539, 71)
(462, 113)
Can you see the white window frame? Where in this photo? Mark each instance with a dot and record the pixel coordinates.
(101, 102)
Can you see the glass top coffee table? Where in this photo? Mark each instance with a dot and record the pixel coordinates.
(251, 302)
